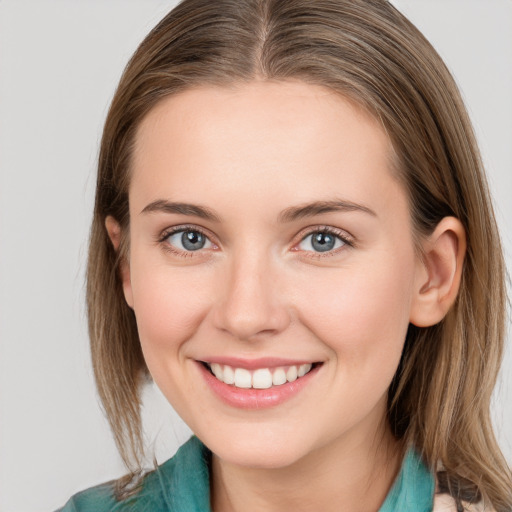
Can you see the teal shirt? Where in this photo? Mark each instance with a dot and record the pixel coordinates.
(182, 484)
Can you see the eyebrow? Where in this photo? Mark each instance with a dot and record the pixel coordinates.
(318, 207)
(161, 205)
(290, 214)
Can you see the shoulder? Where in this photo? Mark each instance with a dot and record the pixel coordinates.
(173, 486)
(100, 498)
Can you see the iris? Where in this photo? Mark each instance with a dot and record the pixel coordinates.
(192, 240)
(323, 242)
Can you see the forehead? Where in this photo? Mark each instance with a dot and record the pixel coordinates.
(270, 104)
(258, 137)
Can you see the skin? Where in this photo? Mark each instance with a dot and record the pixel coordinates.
(259, 289)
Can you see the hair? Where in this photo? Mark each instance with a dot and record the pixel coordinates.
(369, 53)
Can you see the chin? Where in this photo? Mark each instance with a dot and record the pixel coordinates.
(258, 451)
(263, 458)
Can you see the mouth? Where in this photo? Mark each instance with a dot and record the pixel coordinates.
(259, 378)
(258, 384)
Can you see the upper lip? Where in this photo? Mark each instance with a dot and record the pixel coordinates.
(252, 364)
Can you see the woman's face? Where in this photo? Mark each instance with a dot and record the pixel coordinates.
(269, 237)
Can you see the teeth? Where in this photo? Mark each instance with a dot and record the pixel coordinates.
(291, 374)
(303, 369)
(242, 378)
(279, 377)
(228, 375)
(262, 378)
(217, 370)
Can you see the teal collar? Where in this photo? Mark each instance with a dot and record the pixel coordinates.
(188, 488)
(182, 484)
(413, 488)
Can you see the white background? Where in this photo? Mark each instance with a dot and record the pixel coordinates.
(59, 64)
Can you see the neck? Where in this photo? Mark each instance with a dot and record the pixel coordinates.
(338, 476)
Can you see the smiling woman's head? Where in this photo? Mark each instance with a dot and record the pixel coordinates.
(358, 60)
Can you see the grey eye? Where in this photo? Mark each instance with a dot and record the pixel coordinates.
(321, 241)
(189, 240)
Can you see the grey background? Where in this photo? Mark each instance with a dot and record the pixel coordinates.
(59, 64)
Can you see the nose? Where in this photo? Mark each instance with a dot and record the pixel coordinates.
(252, 303)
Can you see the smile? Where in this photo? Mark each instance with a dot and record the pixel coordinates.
(257, 384)
(260, 378)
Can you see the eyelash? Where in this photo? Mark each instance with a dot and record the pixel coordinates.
(178, 229)
(344, 237)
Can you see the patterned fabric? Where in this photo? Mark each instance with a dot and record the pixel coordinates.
(445, 503)
(182, 485)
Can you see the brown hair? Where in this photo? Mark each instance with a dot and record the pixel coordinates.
(367, 51)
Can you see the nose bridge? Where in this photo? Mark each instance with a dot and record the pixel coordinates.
(251, 303)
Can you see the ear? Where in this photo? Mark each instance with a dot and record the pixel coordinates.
(438, 273)
(114, 233)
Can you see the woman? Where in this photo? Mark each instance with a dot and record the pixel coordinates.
(293, 236)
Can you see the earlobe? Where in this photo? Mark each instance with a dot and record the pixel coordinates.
(439, 273)
(114, 233)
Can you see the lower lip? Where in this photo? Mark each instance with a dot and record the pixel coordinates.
(256, 398)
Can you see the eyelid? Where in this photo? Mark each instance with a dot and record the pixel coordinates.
(166, 233)
(343, 235)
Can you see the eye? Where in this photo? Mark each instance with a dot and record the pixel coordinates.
(321, 241)
(188, 240)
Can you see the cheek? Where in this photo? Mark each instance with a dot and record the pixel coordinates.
(169, 305)
(361, 312)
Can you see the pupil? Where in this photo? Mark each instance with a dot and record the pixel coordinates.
(323, 242)
(192, 240)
